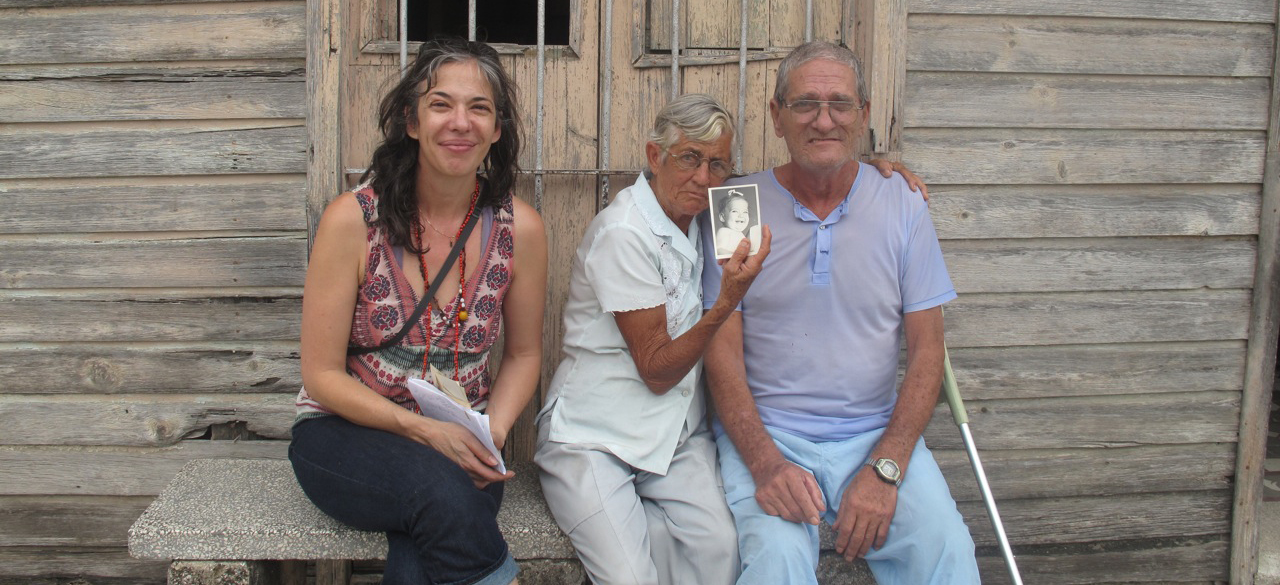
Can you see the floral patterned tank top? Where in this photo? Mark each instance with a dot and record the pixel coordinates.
(386, 299)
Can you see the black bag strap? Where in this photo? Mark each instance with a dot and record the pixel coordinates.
(426, 298)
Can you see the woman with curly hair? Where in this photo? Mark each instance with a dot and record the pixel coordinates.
(361, 449)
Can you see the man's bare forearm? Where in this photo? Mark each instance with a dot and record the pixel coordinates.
(735, 407)
(918, 395)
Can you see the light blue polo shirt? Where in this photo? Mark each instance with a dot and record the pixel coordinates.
(822, 321)
(631, 257)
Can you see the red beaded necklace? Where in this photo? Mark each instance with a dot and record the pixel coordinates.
(461, 298)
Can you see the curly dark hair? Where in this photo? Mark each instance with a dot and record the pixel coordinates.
(394, 167)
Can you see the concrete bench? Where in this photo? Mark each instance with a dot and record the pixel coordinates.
(246, 521)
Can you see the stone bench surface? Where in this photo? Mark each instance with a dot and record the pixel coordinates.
(250, 509)
(254, 509)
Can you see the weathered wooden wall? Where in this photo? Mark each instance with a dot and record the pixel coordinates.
(1097, 171)
(152, 169)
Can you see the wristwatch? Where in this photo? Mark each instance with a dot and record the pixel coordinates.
(887, 470)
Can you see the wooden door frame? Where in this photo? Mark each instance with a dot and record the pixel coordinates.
(1260, 356)
(880, 41)
(324, 169)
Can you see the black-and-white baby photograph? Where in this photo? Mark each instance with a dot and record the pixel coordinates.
(735, 214)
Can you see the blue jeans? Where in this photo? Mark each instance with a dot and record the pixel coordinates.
(440, 528)
(928, 541)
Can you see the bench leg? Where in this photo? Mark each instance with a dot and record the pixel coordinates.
(237, 572)
(293, 572)
(217, 573)
(333, 572)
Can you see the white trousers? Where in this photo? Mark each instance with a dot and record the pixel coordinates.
(634, 527)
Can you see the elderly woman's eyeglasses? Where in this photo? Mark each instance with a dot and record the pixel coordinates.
(690, 161)
(806, 109)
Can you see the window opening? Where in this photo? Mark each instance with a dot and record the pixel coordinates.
(497, 21)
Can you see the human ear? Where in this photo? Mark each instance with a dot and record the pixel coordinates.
(653, 152)
(410, 124)
(775, 112)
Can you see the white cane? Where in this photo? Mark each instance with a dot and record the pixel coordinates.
(962, 421)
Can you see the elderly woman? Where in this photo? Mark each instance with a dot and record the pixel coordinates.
(628, 466)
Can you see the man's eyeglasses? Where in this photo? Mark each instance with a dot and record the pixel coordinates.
(805, 109)
(690, 161)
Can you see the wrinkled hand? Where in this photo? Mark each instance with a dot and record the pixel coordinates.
(461, 447)
(740, 270)
(914, 182)
(866, 508)
(790, 492)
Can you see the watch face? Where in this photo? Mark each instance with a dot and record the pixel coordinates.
(888, 468)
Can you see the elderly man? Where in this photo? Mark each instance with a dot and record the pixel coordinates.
(803, 376)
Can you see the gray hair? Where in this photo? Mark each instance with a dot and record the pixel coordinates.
(696, 116)
(811, 51)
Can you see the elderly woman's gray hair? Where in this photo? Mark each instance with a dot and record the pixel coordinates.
(696, 116)
(817, 50)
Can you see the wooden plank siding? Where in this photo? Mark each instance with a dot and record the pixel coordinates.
(178, 32)
(1020, 156)
(1016, 44)
(150, 367)
(153, 166)
(193, 204)
(1094, 211)
(272, 148)
(963, 100)
(109, 565)
(1098, 172)
(1061, 138)
(100, 100)
(1210, 10)
(45, 263)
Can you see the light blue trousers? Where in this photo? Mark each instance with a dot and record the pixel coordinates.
(928, 541)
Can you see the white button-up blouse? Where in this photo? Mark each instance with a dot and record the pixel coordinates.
(631, 257)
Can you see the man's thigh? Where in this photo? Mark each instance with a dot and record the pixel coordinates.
(773, 550)
(922, 497)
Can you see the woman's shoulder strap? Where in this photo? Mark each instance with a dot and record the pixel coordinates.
(368, 203)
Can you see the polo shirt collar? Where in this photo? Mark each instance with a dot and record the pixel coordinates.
(803, 213)
(646, 202)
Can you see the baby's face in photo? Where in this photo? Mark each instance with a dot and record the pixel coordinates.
(736, 215)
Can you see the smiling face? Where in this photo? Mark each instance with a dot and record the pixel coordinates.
(736, 214)
(456, 121)
(682, 193)
(823, 140)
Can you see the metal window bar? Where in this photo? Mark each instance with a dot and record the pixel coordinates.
(808, 20)
(675, 49)
(742, 85)
(542, 73)
(471, 20)
(404, 38)
(606, 99)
